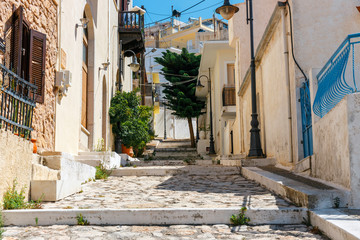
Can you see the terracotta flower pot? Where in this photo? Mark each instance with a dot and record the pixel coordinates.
(128, 151)
(34, 143)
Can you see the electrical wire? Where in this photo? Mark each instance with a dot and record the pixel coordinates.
(199, 10)
(292, 41)
(180, 12)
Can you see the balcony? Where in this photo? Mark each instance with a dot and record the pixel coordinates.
(131, 30)
(17, 103)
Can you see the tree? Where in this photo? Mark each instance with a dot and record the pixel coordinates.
(181, 71)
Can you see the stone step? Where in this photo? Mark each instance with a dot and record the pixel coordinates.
(174, 170)
(168, 163)
(176, 157)
(156, 216)
(179, 149)
(53, 190)
(176, 154)
(299, 190)
(108, 159)
(70, 175)
(337, 223)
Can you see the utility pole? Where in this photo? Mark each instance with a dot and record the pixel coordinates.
(172, 16)
(164, 120)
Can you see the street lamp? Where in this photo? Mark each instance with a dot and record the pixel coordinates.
(198, 87)
(134, 66)
(228, 10)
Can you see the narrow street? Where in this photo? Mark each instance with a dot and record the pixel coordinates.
(200, 188)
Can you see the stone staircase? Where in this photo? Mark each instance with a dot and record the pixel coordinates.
(58, 175)
(172, 153)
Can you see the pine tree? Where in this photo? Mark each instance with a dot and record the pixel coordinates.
(181, 71)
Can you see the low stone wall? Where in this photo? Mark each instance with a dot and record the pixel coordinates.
(15, 162)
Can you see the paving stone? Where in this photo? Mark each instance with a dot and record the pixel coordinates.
(171, 192)
(179, 232)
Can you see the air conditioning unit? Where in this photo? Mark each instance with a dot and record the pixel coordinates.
(63, 79)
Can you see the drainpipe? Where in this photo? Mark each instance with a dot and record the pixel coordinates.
(287, 76)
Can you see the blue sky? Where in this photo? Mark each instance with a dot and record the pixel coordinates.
(160, 9)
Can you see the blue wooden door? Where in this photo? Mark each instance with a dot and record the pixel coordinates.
(306, 119)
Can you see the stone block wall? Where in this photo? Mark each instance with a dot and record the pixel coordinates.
(42, 16)
(15, 162)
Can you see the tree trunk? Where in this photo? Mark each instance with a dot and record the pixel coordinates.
(192, 138)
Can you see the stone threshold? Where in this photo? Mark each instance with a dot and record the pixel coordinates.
(156, 216)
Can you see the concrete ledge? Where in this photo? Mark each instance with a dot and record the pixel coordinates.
(173, 170)
(297, 192)
(53, 190)
(158, 216)
(336, 224)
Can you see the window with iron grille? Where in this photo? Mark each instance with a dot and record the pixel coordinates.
(25, 51)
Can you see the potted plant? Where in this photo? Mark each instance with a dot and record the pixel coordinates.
(130, 122)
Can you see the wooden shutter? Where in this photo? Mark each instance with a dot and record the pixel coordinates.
(13, 38)
(37, 63)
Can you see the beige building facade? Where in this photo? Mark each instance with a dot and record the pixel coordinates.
(91, 56)
(217, 69)
(309, 33)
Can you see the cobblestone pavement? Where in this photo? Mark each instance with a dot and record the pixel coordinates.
(175, 232)
(178, 191)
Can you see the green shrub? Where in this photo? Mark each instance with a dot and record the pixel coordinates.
(130, 121)
(240, 219)
(13, 199)
(102, 172)
(81, 220)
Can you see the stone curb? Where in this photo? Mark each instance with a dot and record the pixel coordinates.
(157, 216)
(335, 224)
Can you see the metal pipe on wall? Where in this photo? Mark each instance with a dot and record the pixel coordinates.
(287, 76)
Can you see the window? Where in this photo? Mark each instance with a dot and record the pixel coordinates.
(231, 74)
(25, 51)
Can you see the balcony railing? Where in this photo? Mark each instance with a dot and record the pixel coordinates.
(228, 95)
(339, 77)
(131, 21)
(17, 103)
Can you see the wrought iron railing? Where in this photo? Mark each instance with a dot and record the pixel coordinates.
(130, 21)
(228, 95)
(17, 103)
(339, 77)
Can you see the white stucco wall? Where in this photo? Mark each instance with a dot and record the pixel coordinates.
(176, 128)
(68, 109)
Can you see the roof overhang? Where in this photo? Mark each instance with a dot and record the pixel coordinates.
(209, 52)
